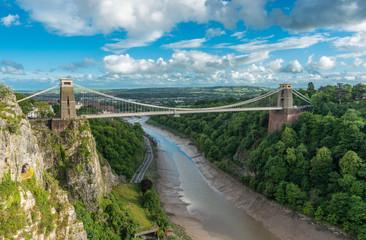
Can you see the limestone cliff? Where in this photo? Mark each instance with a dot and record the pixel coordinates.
(72, 158)
(31, 204)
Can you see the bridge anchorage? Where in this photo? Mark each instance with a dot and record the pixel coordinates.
(94, 104)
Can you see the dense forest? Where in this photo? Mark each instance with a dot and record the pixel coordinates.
(316, 167)
(120, 143)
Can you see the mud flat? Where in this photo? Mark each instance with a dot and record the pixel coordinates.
(277, 219)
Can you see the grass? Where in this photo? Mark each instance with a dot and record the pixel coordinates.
(129, 195)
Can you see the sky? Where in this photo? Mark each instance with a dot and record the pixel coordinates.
(180, 43)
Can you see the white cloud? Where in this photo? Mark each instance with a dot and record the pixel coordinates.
(293, 67)
(214, 32)
(358, 62)
(143, 21)
(10, 20)
(238, 35)
(283, 44)
(193, 43)
(325, 63)
(356, 42)
(181, 61)
(11, 68)
(275, 65)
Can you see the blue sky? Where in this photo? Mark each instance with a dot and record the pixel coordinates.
(158, 43)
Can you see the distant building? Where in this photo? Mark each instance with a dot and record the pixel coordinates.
(78, 105)
(107, 109)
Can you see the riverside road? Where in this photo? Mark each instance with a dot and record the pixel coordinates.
(140, 173)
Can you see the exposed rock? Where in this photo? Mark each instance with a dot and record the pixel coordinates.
(18, 147)
(73, 159)
(19, 152)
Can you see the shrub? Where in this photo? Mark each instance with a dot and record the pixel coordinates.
(5, 91)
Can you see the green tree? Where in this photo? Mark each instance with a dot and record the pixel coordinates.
(293, 194)
(311, 86)
(321, 166)
(350, 163)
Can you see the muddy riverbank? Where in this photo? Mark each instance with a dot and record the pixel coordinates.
(278, 220)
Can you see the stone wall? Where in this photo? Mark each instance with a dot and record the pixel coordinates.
(279, 117)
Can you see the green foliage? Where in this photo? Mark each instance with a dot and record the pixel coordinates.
(316, 166)
(93, 228)
(43, 203)
(5, 91)
(119, 143)
(350, 163)
(121, 217)
(11, 216)
(151, 200)
(43, 109)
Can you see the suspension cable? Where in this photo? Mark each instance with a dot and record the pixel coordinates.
(183, 109)
(38, 93)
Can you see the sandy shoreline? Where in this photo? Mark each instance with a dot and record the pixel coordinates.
(277, 219)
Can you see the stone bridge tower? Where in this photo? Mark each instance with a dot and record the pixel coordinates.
(67, 99)
(288, 114)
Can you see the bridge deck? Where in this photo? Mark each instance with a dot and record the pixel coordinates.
(136, 114)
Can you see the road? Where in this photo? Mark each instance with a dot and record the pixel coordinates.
(149, 157)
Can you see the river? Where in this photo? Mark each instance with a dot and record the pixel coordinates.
(183, 182)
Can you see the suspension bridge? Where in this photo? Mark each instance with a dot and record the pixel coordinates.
(95, 104)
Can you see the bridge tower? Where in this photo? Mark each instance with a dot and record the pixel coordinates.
(285, 99)
(67, 99)
(288, 114)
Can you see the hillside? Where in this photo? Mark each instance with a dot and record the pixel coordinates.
(56, 185)
(316, 167)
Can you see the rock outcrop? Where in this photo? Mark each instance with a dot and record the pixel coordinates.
(34, 208)
(72, 158)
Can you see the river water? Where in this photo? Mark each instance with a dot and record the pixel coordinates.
(219, 217)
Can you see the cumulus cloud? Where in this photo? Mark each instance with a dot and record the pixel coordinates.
(142, 20)
(193, 43)
(283, 44)
(10, 20)
(275, 65)
(324, 63)
(307, 15)
(87, 62)
(181, 61)
(291, 67)
(11, 68)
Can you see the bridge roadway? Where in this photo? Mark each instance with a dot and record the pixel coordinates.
(182, 111)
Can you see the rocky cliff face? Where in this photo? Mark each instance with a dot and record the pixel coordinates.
(72, 158)
(31, 204)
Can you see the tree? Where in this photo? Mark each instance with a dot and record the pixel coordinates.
(146, 184)
(293, 194)
(151, 201)
(350, 163)
(358, 91)
(321, 166)
(343, 92)
(311, 86)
